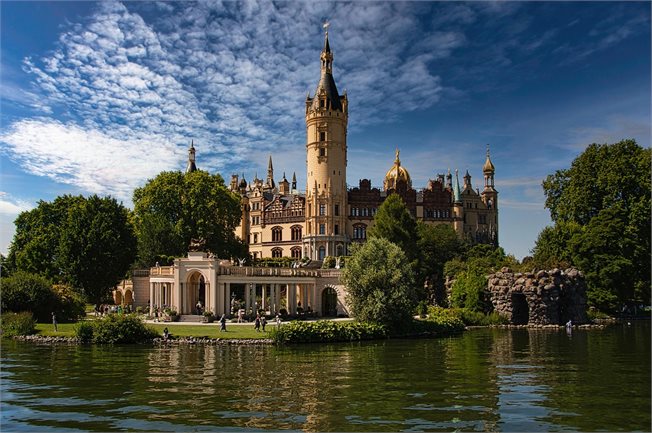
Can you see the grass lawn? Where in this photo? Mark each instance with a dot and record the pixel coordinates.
(211, 330)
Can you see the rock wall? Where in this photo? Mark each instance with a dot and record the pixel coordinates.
(543, 298)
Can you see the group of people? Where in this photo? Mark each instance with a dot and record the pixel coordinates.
(104, 309)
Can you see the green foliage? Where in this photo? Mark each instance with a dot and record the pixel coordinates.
(380, 283)
(327, 331)
(275, 262)
(445, 317)
(394, 223)
(28, 292)
(437, 244)
(84, 331)
(469, 289)
(551, 248)
(118, 328)
(607, 192)
(435, 326)
(13, 324)
(329, 262)
(174, 208)
(85, 242)
(465, 317)
(68, 305)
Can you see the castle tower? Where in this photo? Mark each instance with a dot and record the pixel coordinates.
(490, 197)
(269, 183)
(326, 194)
(458, 207)
(191, 158)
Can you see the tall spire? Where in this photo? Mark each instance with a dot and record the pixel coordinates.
(456, 190)
(294, 181)
(191, 158)
(270, 173)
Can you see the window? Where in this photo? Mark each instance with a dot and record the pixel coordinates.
(322, 253)
(337, 210)
(322, 229)
(336, 229)
(360, 231)
(296, 252)
(322, 151)
(277, 252)
(322, 209)
(255, 238)
(277, 234)
(482, 219)
(322, 136)
(296, 233)
(365, 211)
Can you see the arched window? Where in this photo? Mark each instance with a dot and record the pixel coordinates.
(296, 233)
(296, 252)
(359, 231)
(322, 253)
(277, 252)
(277, 234)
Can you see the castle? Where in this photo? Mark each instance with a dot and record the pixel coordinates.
(280, 221)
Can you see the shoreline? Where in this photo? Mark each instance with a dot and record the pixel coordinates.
(41, 339)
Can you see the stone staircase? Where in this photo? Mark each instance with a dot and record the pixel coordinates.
(191, 318)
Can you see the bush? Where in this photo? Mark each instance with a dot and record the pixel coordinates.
(84, 332)
(328, 263)
(469, 289)
(28, 292)
(68, 304)
(116, 328)
(13, 324)
(465, 316)
(445, 317)
(327, 331)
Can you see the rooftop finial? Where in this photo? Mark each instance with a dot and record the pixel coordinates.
(487, 150)
(397, 160)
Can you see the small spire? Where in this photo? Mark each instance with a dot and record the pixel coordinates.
(327, 47)
(397, 161)
(456, 191)
(294, 176)
(269, 164)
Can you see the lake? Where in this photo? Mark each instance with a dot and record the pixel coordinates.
(483, 380)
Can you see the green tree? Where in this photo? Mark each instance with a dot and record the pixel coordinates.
(551, 249)
(437, 245)
(174, 208)
(35, 246)
(394, 223)
(97, 246)
(28, 292)
(380, 284)
(609, 181)
(85, 242)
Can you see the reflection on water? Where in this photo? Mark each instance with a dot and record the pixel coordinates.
(485, 380)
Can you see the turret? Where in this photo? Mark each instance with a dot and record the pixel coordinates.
(191, 158)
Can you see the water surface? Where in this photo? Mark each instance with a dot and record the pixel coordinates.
(484, 380)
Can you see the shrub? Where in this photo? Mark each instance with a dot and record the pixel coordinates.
(116, 328)
(84, 332)
(69, 305)
(13, 324)
(28, 292)
(468, 290)
(445, 317)
(465, 316)
(328, 263)
(327, 331)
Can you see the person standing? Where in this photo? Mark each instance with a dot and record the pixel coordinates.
(263, 322)
(257, 323)
(223, 323)
(54, 321)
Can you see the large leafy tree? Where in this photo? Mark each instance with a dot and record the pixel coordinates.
(380, 283)
(174, 208)
(437, 245)
(86, 242)
(97, 246)
(606, 191)
(394, 222)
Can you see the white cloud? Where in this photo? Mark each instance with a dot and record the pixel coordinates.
(11, 206)
(232, 76)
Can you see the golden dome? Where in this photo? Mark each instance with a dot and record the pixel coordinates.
(488, 165)
(397, 174)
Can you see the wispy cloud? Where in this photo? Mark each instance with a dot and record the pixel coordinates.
(131, 88)
(10, 206)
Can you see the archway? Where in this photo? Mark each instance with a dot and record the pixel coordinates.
(520, 309)
(117, 297)
(329, 302)
(196, 293)
(129, 297)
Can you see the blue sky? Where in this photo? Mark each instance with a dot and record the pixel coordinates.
(100, 97)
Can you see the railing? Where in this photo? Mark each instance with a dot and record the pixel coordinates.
(249, 271)
(141, 273)
(161, 270)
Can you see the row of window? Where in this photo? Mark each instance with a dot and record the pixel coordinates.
(295, 252)
(360, 231)
(363, 211)
(277, 234)
(436, 213)
(322, 209)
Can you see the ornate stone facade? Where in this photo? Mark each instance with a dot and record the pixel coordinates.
(323, 220)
